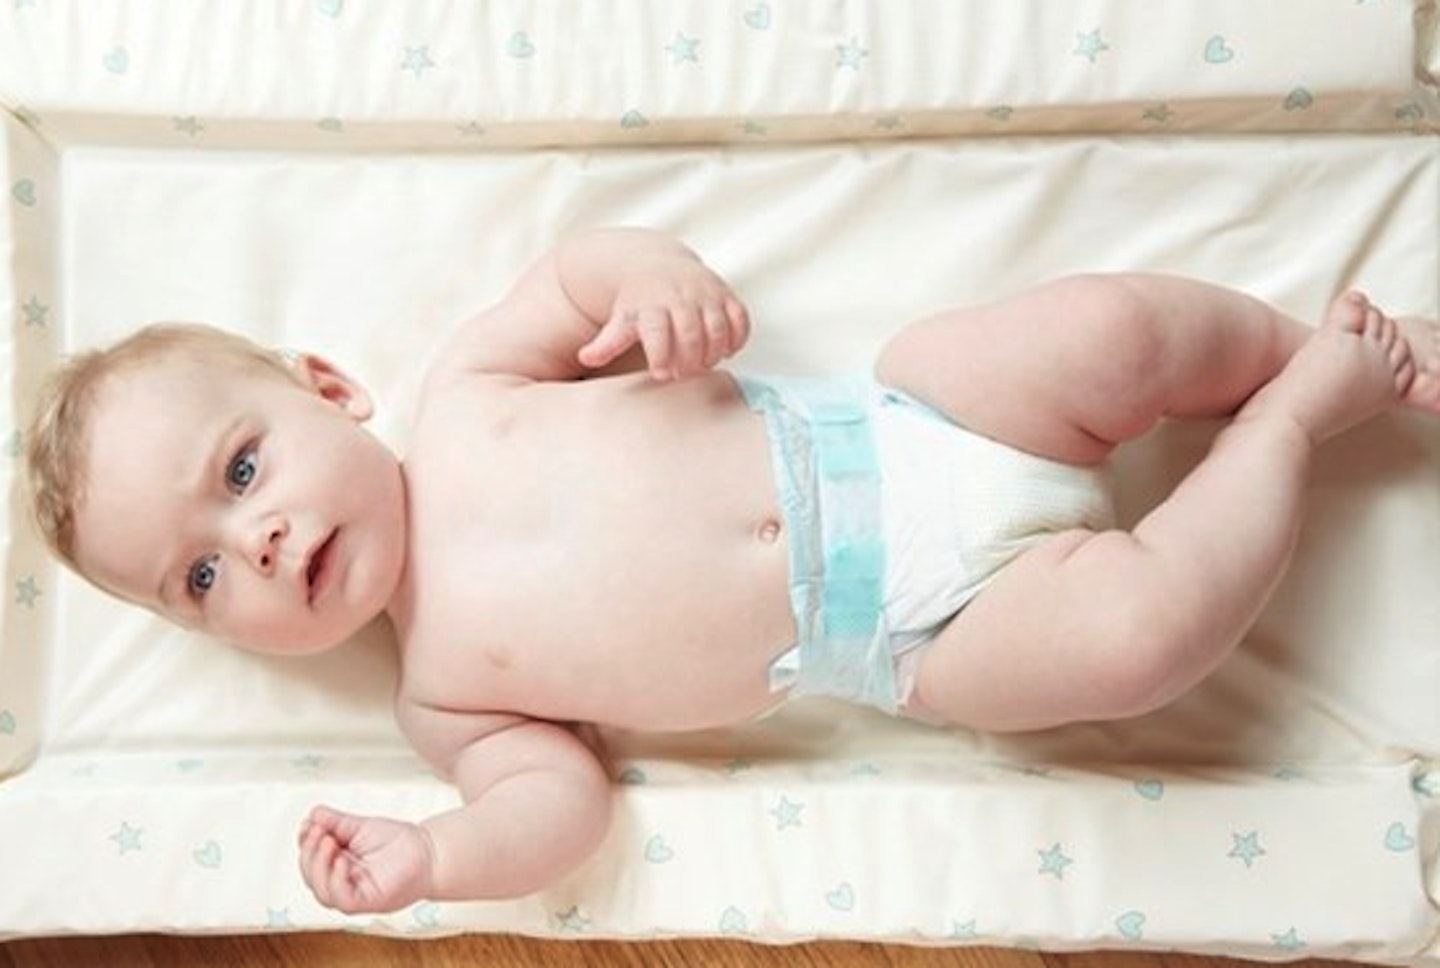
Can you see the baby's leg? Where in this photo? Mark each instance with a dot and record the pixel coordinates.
(1072, 368)
(1099, 626)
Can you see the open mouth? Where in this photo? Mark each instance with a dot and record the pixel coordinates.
(317, 570)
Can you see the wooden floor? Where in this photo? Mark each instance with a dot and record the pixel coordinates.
(332, 950)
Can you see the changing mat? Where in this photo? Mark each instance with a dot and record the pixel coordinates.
(355, 177)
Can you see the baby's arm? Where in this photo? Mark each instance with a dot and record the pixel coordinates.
(595, 296)
(537, 804)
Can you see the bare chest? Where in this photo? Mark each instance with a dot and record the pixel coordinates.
(621, 561)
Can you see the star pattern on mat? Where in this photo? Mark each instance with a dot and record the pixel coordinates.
(127, 838)
(417, 60)
(787, 813)
(1246, 847)
(1090, 45)
(1053, 861)
(1288, 940)
(684, 49)
(36, 312)
(850, 54)
(27, 591)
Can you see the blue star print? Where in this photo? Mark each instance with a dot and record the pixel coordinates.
(27, 590)
(683, 49)
(1287, 941)
(850, 54)
(1053, 861)
(127, 838)
(1090, 46)
(417, 60)
(35, 312)
(1247, 847)
(787, 813)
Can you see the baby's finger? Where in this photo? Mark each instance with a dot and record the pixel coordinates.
(310, 834)
(344, 827)
(659, 343)
(341, 884)
(317, 865)
(717, 335)
(330, 820)
(613, 339)
(690, 340)
(739, 318)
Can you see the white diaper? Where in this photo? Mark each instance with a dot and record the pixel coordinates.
(897, 518)
(957, 507)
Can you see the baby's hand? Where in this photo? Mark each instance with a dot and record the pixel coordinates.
(685, 316)
(364, 865)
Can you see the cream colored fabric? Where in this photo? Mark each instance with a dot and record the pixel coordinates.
(343, 176)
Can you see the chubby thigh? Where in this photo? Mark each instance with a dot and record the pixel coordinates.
(958, 507)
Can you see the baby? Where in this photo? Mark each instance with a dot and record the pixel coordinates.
(593, 524)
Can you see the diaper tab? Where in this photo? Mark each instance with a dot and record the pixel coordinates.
(828, 474)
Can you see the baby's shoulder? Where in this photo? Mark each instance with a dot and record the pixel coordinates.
(439, 733)
(449, 376)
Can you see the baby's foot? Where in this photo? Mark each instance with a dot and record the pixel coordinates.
(1422, 336)
(1357, 364)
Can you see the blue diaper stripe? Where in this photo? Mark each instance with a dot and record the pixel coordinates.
(828, 475)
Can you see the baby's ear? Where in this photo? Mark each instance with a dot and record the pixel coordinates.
(331, 383)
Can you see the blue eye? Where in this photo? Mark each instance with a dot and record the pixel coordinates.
(203, 575)
(242, 469)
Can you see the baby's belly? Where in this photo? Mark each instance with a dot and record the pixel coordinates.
(658, 639)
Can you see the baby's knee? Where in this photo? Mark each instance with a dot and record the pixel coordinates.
(1116, 311)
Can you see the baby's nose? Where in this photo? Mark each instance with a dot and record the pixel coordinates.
(265, 550)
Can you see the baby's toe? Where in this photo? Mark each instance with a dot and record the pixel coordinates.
(1350, 313)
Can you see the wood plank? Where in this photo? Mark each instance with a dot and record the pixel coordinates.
(505, 951)
(1111, 959)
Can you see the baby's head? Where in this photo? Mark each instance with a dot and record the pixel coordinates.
(221, 485)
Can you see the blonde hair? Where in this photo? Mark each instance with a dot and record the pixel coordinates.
(56, 443)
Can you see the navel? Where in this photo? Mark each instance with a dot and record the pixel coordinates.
(768, 531)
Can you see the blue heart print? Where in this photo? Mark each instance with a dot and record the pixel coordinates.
(842, 898)
(520, 46)
(1152, 790)
(734, 921)
(1218, 50)
(1131, 925)
(657, 851)
(23, 191)
(758, 17)
(1398, 839)
(208, 855)
(117, 61)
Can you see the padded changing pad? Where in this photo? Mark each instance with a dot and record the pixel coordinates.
(354, 178)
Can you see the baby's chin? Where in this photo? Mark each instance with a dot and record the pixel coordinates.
(297, 642)
(303, 644)
(295, 649)
(313, 641)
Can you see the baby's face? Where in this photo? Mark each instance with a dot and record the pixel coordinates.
(242, 504)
